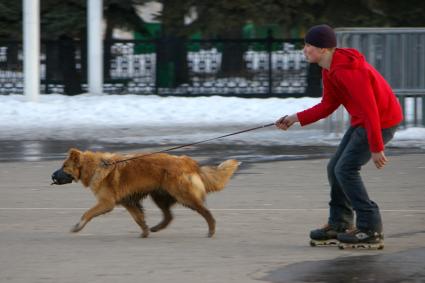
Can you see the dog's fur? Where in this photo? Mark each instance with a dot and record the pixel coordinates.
(166, 178)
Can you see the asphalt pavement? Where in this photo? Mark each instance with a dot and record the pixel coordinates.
(263, 220)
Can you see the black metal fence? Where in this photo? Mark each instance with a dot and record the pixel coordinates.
(266, 67)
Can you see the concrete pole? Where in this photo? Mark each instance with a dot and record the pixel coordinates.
(31, 31)
(95, 46)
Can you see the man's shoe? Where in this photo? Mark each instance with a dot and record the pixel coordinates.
(325, 236)
(361, 239)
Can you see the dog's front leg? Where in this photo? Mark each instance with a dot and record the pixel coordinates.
(136, 211)
(99, 209)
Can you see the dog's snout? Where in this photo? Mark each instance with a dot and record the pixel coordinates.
(55, 175)
(59, 177)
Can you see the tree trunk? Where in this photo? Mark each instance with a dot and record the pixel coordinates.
(107, 52)
(53, 71)
(71, 78)
(12, 61)
(232, 62)
(172, 66)
(314, 81)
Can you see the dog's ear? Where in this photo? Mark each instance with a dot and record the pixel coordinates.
(74, 155)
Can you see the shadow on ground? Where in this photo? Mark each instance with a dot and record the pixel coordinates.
(406, 266)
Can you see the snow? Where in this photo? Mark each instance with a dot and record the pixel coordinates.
(137, 118)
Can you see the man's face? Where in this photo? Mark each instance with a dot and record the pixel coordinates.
(312, 53)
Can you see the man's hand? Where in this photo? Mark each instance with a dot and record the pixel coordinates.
(379, 159)
(286, 121)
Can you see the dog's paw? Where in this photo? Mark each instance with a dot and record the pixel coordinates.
(155, 229)
(145, 234)
(210, 234)
(76, 228)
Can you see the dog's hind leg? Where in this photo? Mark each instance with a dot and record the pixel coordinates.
(202, 210)
(136, 211)
(194, 198)
(164, 201)
(99, 209)
(191, 192)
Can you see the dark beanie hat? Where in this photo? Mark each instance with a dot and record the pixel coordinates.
(322, 36)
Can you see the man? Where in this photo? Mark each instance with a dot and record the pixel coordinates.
(375, 112)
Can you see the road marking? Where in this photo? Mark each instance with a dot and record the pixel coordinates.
(212, 209)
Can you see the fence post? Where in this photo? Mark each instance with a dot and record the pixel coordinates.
(157, 46)
(95, 47)
(402, 101)
(423, 110)
(270, 49)
(46, 64)
(31, 52)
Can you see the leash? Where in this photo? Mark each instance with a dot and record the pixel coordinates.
(106, 163)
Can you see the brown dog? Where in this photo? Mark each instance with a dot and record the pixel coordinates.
(166, 178)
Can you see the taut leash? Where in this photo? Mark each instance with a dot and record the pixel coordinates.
(106, 163)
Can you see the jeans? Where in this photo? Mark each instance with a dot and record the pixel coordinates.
(348, 192)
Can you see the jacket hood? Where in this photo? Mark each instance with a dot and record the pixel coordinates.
(346, 58)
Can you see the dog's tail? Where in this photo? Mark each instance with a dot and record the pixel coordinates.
(216, 177)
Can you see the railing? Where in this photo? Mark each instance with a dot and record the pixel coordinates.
(413, 104)
(399, 55)
(266, 67)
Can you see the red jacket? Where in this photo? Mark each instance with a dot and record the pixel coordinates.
(368, 98)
